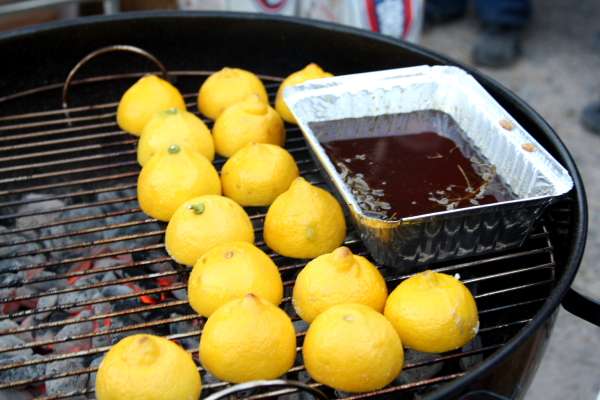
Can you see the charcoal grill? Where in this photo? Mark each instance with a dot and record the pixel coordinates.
(81, 265)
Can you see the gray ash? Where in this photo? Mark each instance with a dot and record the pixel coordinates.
(21, 373)
(68, 384)
(112, 196)
(188, 343)
(92, 378)
(61, 309)
(7, 324)
(136, 229)
(40, 208)
(70, 298)
(45, 302)
(8, 261)
(64, 231)
(72, 330)
(10, 394)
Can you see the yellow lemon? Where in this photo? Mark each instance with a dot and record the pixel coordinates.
(227, 87)
(147, 367)
(257, 174)
(146, 97)
(248, 339)
(433, 312)
(230, 271)
(173, 176)
(336, 278)
(311, 71)
(174, 126)
(249, 121)
(203, 222)
(353, 348)
(304, 222)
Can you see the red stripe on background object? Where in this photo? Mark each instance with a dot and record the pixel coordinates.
(372, 14)
(408, 16)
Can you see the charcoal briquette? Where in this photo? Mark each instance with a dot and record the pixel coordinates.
(68, 384)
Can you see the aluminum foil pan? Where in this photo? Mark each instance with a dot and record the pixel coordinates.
(536, 178)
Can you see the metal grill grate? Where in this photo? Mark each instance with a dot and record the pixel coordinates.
(81, 266)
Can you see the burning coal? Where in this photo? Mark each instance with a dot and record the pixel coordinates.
(75, 279)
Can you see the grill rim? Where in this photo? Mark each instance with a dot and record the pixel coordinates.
(579, 225)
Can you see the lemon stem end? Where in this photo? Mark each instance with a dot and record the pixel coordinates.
(174, 149)
(198, 208)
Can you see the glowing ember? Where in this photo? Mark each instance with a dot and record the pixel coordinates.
(82, 266)
(165, 281)
(146, 299)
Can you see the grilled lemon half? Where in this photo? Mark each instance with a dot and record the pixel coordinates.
(173, 176)
(249, 121)
(147, 367)
(248, 339)
(149, 95)
(257, 174)
(336, 278)
(433, 312)
(227, 87)
(229, 271)
(174, 126)
(204, 222)
(353, 348)
(304, 222)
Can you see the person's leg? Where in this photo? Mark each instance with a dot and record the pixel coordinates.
(502, 21)
(440, 11)
(504, 13)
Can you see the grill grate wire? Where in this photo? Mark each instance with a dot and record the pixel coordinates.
(83, 163)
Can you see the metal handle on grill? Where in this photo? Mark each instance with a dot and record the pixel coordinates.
(582, 306)
(277, 383)
(104, 50)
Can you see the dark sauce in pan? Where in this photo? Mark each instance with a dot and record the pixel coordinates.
(412, 174)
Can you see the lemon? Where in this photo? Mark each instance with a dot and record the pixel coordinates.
(227, 87)
(257, 174)
(203, 222)
(311, 71)
(336, 278)
(249, 121)
(174, 126)
(353, 348)
(173, 176)
(143, 99)
(433, 312)
(248, 339)
(304, 222)
(147, 367)
(230, 271)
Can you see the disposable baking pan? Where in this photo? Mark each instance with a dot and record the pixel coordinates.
(459, 105)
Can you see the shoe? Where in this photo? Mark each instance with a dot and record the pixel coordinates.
(497, 47)
(590, 117)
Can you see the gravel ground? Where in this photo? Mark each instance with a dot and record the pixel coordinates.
(558, 75)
